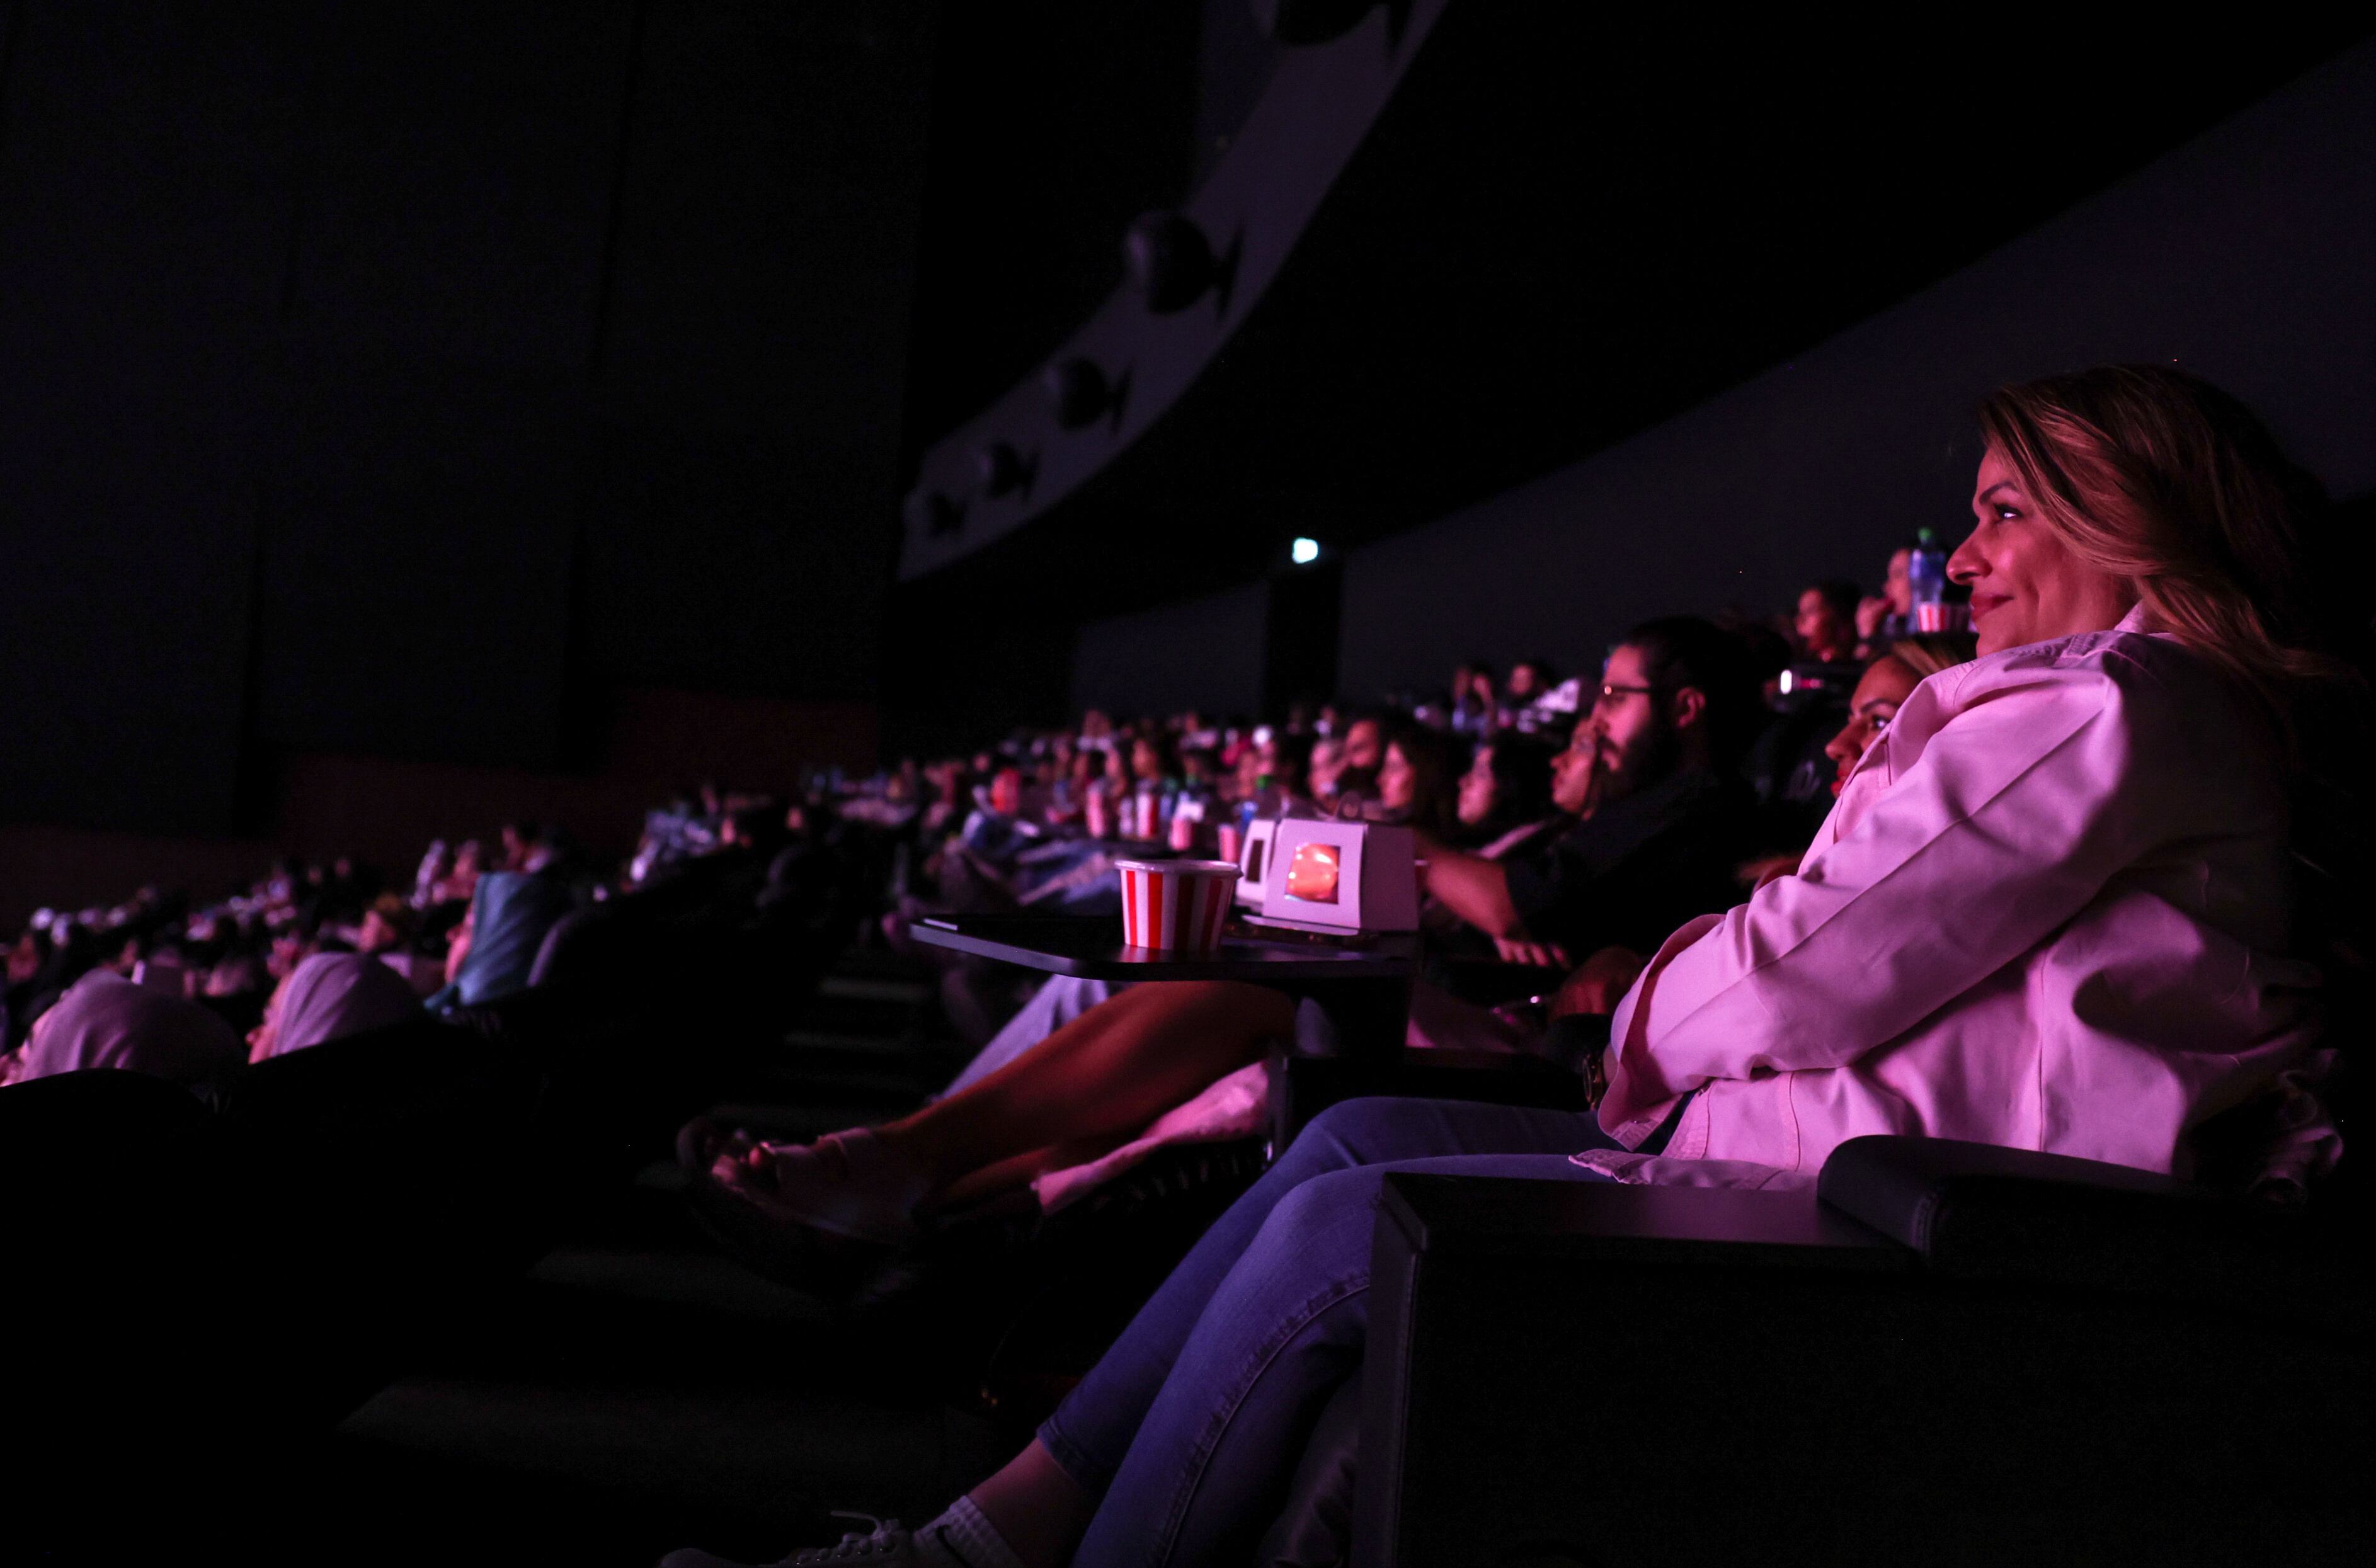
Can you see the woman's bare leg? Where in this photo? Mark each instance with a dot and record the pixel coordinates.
(1111, 1070)
(1020, 1171)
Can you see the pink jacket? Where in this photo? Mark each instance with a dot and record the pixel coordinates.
(2050, 910)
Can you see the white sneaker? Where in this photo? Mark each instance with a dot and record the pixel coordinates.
(845, 1182)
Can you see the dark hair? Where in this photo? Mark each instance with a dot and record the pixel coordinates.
(1769, 652)
(1522, 780)
(1166, 747)
(1437, 761)
(1684, 651)
(1293, 750)
(1840, 594)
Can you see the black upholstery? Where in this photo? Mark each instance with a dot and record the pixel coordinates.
(1975, 1211)
(2036, 1363)
(192, 1289)
(114, 1312)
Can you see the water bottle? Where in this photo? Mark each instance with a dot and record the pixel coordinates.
(1926, 575)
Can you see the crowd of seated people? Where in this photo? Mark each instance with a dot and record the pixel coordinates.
(1536, 859)
(300, 957)
(2051, 906)
(2029, 885)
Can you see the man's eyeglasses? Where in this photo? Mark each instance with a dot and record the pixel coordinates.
(1611, 692)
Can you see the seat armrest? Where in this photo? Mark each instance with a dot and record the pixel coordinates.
(1907, 1188)
(1486, 1216)
(1977, 1211)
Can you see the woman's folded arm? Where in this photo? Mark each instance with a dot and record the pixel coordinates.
(2013, 815)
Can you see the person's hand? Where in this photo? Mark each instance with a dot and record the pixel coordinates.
(1600, 983)
(1870, 613)
(1533, 955)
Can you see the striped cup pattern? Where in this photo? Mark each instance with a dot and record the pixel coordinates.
(1175, 905)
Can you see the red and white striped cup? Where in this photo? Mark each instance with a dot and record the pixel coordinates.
(1175, 905)
(1145, 807)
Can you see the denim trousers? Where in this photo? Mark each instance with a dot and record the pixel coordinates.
(1191, 1426)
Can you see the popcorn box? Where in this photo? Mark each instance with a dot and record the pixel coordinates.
(1175, 905)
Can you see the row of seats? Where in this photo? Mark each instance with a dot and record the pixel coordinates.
(202, 1291)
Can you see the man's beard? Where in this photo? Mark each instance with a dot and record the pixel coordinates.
(1654, 758)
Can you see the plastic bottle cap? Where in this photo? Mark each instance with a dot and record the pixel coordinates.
(1925, 537)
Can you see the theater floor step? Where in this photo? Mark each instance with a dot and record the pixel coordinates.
(856, 1043)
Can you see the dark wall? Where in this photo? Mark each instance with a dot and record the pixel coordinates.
(2248, 255)
(1053, 125)
(404, 379)
(1570, 225)
(1207, 654)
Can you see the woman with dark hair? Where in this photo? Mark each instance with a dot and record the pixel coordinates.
(1285, 761)
(1418, 779)
(1826, 621)
(1506, 793)
(2051, 909)
(1154, 755)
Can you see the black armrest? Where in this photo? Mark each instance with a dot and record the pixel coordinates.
(1976, 1211)
(1302, 1086)
(1582, 1372)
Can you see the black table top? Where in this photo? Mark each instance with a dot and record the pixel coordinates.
(1091, 947)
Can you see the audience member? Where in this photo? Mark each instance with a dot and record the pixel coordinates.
(2096, 806)
(1419, 781)
(331, 996)
(1887, 681)
(495, 946)
(1826, 622)
(1506, 793)
(104, 1020)
(1888, 615)
(1529, 679)
(1661, 822)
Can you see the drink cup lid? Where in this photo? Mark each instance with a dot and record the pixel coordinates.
(1192, 868)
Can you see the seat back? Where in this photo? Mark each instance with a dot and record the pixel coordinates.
(117, 1310)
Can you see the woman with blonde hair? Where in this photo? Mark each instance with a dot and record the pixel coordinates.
(1887, 681)
(2050, 909)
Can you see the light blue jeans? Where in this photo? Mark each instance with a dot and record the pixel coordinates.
(1190, 1427)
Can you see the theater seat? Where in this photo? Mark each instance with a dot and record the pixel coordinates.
(1948, 1353)
(192, 1291)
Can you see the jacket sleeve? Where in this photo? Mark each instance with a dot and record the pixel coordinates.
(2009, 822)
